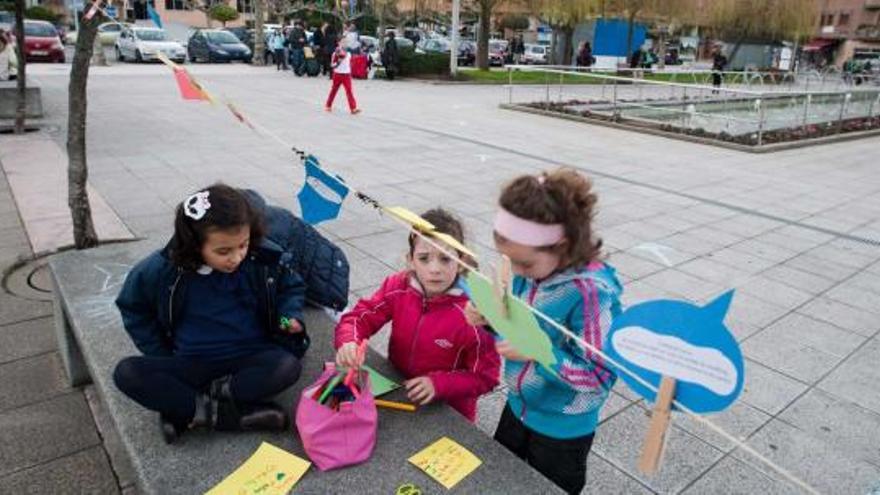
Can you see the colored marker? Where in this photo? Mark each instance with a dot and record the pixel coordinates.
(400, 406)
(330, 386)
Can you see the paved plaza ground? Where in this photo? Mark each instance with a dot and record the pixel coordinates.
(797, 233)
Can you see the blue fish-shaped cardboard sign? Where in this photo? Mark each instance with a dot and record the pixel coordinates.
(322, 195)
(686, 342)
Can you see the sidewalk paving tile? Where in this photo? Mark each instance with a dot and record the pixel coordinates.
(858, 379)
(25, 339)
(801, 347)
(45, 431)
(837, 422)
(815, 462)
(685, 459)
(83, 472)
(31, 380)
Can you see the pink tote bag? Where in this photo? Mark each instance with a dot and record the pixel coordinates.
(334, 439)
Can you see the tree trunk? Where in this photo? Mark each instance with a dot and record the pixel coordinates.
(84, 235)
(661, 50)
(554, 46)
(483, 43)
(629, 34)
(259, 55)
(21, 99)
(568, 31)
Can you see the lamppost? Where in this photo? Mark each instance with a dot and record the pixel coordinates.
(453, 48)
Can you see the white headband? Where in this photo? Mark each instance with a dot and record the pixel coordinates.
(197, 205)
(527, 232)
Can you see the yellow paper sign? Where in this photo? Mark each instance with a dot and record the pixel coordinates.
(411, 218)
(453, 243)
(270, 471)
(446, 461)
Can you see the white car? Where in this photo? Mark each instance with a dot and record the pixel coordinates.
(141, 44)
(535, 54)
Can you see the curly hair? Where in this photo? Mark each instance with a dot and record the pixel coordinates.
(562, 196)
(230, 210)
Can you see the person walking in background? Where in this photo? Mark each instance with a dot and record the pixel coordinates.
(519, 51)
(351, 38)
(719, 62)
(341, 63)
(297, 41)
(276, 44)
(330, 40)
(585, 55)
(8, 61)
(318, 44)
(390, 57)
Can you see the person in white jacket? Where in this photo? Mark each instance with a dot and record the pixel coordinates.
(8, 59)
(341, 63)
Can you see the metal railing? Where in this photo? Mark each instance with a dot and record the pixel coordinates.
(737, 111)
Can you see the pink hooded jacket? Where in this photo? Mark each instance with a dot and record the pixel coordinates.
(429, 337)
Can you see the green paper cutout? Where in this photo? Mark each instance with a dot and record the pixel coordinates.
(379, 383)
(520, 329)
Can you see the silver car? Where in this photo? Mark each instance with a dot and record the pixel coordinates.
(142, 44)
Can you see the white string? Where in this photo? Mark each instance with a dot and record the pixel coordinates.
(445, 250)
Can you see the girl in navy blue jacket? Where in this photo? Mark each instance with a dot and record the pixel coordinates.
(217, 314)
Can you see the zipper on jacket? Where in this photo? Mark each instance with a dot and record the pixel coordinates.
(268, 297)
(412, 347)
(522, 413)
(171, 299)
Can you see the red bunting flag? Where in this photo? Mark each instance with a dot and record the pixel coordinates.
(92, 10)
(238, 115)
(189, 89)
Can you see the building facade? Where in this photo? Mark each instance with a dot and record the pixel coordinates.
(846, 29)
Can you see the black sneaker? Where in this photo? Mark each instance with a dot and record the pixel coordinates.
(170, 433)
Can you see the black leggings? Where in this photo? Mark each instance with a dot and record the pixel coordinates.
(169, 385)
(563, 462)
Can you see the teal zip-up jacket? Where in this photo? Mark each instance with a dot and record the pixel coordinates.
(566, 404)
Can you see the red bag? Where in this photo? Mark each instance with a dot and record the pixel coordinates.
(334, 439)
(359, 66)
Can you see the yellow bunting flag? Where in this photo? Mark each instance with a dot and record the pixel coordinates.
(411, 218)
(453, 243)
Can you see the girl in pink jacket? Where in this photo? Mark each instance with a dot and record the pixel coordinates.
(431, 344)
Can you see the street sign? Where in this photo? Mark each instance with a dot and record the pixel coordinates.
(110, 11)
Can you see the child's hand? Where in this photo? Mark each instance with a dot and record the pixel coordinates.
(508, 352)
(473, 316)
(420, 390)
(347, 356)
(290, 325)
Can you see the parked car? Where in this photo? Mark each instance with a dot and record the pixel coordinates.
(7, 20)
(404, 44)
(535, 54)
(108, 32)
(433, 45)
(216, 45)
(143, 44)
(246, 36)
(41, 42)
(369, 44)
(497, 52)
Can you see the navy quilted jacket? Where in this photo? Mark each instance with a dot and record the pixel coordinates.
(321, 264)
